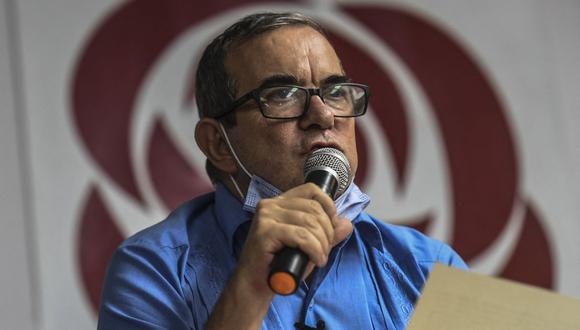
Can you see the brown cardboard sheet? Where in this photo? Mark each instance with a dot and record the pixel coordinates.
(453, 299)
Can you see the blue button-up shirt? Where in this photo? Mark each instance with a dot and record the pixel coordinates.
(170, 276)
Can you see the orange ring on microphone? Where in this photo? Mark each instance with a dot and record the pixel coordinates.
(282, 283)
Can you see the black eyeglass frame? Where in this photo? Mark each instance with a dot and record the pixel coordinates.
(255, 95)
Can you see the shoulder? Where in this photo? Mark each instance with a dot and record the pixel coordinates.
(173, 231)
(144, 284)
(165, 245)
(406, 244)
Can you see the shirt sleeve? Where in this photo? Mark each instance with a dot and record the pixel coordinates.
(449, 257)
(142, 290)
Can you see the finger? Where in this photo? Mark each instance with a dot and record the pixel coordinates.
(301, 238)
(311, 191)
(309, 222)
(342, 229)
(301, 212)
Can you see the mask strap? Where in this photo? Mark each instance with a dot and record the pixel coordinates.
(237, 187)
(237, 160)
(233, 152)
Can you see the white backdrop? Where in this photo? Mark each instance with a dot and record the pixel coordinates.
(74, 180)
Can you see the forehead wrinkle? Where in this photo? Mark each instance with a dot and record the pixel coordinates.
(297, 63)
(322, 48)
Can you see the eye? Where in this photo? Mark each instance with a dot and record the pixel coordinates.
(279, 95)
(336, 92)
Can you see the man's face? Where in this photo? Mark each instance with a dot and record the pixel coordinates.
(276, 149)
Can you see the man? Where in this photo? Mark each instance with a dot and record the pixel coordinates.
(269, 91)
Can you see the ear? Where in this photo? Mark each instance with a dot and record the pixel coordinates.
(209, 138)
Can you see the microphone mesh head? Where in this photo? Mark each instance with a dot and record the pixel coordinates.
(333, 158)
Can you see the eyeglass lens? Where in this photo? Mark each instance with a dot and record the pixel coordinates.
(290, 101)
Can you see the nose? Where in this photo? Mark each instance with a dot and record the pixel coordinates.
(319, 115)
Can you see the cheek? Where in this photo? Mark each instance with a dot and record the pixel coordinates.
(279, 137)
(352, 154)
(273, 146)
(353, 159)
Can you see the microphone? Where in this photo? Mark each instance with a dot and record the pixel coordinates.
(329, 169)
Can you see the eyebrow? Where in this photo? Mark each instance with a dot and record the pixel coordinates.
(280, 79)
(288, 79)
(335, 79)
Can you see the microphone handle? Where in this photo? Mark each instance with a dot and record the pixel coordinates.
(289, 264)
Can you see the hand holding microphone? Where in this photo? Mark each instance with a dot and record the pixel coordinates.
(329, 169)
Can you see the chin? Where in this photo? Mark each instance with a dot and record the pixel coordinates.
(286, 176)
(285, 186)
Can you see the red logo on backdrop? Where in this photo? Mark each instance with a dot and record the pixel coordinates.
(478, 145)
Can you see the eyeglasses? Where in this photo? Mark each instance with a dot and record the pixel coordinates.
(290, 102)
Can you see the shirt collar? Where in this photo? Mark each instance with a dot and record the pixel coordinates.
(350, 204)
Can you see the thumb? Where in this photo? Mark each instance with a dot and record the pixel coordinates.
(342, 228)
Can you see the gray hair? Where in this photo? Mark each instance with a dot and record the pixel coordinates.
(215, 89)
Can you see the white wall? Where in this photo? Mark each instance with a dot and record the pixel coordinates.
(17, 282)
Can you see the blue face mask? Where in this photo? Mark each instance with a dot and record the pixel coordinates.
(349, 205)
(258, 189)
